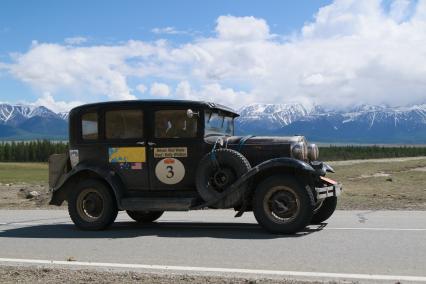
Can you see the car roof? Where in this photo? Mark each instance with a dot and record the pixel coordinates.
(159, 103)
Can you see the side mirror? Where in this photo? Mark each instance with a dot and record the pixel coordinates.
(190, 113)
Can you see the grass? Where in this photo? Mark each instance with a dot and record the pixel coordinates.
(372, 184)
(32, 173)
(385, 184)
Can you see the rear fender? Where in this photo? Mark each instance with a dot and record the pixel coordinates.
(81, 171)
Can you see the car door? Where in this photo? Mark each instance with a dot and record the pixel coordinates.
(175, 148)
(125, 136)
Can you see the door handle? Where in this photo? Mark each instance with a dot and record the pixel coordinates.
(140, 143)
(152, 144)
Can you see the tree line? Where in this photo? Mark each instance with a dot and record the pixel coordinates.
(40, 150)
(30, 151)
(337, 153)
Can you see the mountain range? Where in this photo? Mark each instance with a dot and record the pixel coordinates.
(23, 122)
(360, 124)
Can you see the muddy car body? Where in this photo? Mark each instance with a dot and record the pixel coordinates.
(147, 157)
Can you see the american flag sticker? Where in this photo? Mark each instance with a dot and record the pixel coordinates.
(136, 166)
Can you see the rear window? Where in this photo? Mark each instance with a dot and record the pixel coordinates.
(124, 124)
(89, 126)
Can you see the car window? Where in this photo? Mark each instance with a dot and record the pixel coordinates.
(89, 126)
(124, 124)
(174, 124)
(219, 124)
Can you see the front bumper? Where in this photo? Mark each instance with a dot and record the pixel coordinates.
(332, 189)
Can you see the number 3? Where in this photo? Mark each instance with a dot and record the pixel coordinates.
(170, 172)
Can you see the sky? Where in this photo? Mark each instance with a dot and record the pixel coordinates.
(336, 54)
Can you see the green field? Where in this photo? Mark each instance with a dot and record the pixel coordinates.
(33, 173)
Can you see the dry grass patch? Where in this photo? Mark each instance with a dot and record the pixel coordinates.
(384, 184)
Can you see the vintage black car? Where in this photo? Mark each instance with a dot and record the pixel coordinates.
(151, 156)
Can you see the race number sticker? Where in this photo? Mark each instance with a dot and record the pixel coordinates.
(170, 171)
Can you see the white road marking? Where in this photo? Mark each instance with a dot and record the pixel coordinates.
(221, 270)
(377, 229)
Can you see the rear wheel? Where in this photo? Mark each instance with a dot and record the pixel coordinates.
(92, 206)
(144, 216)
(282, 205)
(325, 210)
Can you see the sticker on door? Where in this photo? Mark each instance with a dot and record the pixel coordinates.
(174, 152)
(170, 171)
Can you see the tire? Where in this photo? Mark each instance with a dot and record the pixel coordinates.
(278, 191)
(211, 181)
(325, 211)
(92, 205)
(144, 216)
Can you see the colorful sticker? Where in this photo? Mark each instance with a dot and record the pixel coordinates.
(127, 155)
(136, 166)
(130, 166)
(170, 171)
(124, 166)
(175, 152)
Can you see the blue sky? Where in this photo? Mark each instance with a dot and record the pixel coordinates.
(220, 50)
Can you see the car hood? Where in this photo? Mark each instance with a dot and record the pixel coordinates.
(257, 140)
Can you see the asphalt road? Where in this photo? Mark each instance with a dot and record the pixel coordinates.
(359, 245)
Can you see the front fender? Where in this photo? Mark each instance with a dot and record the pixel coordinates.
(285, 162)
(276, 163)
(70, 179)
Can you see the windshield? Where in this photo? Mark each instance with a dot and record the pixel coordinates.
(218, 124)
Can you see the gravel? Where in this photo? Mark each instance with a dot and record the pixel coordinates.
(24, 274)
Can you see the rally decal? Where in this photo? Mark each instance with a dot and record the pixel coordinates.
(170, 171)
(130, 166)
(127, 155)
(175, 152)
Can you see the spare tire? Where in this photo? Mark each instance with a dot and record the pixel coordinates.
(216, 171)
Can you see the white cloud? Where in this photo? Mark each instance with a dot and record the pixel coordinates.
(213, 93)
(141, 88)
(242, 28)
(399, 10)
(159, 90)
(84, 70)
(48, 101)
(75, 40)
(353, 52)
(169, 31)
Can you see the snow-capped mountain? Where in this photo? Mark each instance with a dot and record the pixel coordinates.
(18, 121)
(361, 124)
(14, 114)
(64, 115)
(364, 123)
(281, 114)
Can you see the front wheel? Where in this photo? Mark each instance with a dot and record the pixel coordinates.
(282, 205)
(325, 210)
(144, 216)
(92, 206)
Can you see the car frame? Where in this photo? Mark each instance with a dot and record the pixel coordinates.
(120, 158)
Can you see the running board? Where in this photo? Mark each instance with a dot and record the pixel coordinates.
(157, 204)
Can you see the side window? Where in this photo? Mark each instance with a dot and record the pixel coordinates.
(174, 124)
(89, 126)
(124, 124)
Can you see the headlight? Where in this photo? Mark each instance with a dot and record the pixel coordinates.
(299, 151)
(313, 152)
